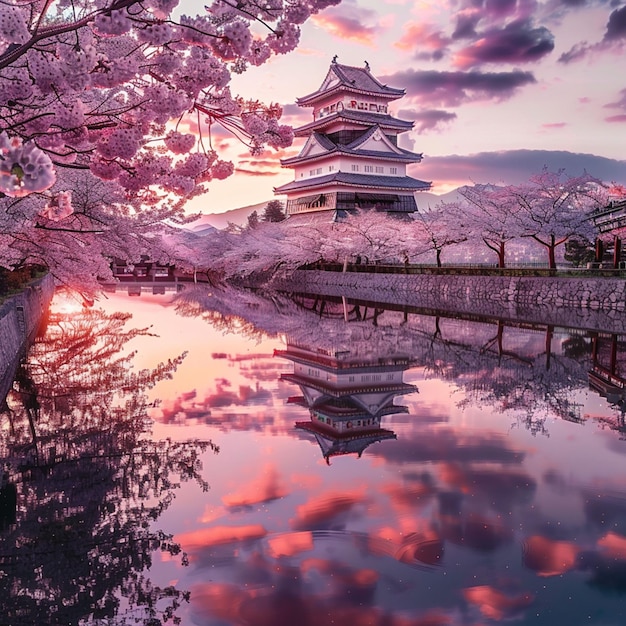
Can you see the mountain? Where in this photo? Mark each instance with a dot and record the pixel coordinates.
(221, 220)
(240, 216)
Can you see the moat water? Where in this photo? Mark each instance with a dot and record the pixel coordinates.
(249, 460)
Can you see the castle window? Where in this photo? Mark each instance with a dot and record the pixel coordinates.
(369, 168)
(355, 168)
(380, 169)
(393, 170)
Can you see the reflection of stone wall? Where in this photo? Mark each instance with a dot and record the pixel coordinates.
(20, 317)
(589, 303)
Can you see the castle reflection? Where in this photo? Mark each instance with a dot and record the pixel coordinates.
(347, 392)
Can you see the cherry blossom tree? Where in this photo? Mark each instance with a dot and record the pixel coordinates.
(439, 227)
(121, 91)
(552, 207)
(488, 213)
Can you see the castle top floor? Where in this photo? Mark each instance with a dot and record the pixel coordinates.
(349, 87)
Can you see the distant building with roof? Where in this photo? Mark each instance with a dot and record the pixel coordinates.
(351, 159)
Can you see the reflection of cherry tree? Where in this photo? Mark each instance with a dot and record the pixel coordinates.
(515, 369)
(531, 381)
(87, 483)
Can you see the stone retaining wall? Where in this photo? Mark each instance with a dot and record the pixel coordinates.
(20, 318)
(588, 303)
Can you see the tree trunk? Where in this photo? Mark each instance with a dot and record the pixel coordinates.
(549, 335)
(438, 257)
(501, 263)
(551, 254)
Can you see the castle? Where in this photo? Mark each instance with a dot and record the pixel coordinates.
(351, 159)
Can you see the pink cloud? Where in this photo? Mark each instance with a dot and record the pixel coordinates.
(551, 125)
(349, 21)
(620, 119)
(322, 509)
(613, 545)
(219, 535)
(265, 487)
(290, 544)
(495, 604)
(549, 558)
(419, 36)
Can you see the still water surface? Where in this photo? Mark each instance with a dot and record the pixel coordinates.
(312, 462)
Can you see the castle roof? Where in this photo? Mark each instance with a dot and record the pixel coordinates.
(364, 118)
(351, 79)
(398, 183)
(334, 444)
(360, 147)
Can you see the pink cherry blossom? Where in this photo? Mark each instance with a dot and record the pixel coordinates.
(93, 94)
(179, 143)
(59, 206)
(24, 168)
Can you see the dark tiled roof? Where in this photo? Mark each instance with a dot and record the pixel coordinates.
(325, 141)
(353, 149)
(361, 78)
(363, 180)
(403, 157)
(358, 79)
(361, 117)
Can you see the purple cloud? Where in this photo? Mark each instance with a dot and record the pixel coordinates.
(616, 26)
(575, 53)
(465, 26)
(432, 119)
(450, 89)
(517, 42)
(515, 166)
(618, 104)
(614, 38)
(500, 7)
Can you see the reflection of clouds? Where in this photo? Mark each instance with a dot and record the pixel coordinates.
(495, 604)
(549, 558)
(263, 371)
(290, 544)
(446, 444)
(422, 548)
(613, 545)
(605, 508)
(501, 487)
(320, 592)
(187, 407)
(197, 540)
(329, 509)
(475, 531)
(266, 487)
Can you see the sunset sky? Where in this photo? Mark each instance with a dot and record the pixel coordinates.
(497, 88)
